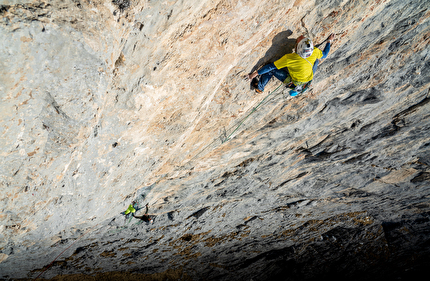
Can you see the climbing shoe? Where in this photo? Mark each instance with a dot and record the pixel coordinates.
(254, 84)
(293, 93)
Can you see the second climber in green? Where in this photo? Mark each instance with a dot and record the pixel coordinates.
(131, 209)
(297, 68)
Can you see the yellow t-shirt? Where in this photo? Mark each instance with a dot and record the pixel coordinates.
(300, 69)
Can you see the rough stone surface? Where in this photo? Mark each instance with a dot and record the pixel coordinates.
(103, 102)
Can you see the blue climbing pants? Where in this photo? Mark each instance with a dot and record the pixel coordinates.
(267, 72)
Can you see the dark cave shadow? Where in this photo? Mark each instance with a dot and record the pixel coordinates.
(281, 45)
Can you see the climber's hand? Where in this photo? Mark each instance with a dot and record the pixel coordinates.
(251, 75)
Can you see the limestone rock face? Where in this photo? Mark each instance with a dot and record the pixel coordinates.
(105, 102)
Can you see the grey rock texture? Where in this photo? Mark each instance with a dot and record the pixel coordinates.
(104, 102)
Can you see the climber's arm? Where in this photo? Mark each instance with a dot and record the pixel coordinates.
(327, 46)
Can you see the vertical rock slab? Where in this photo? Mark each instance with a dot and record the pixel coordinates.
(106, 101)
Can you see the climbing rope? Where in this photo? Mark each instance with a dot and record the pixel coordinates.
(237, 126)
(253, 110)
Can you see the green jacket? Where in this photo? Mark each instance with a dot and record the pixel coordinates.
(130, 209)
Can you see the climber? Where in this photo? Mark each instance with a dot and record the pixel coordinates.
(145, 217)
(295, 70)
(131, 209)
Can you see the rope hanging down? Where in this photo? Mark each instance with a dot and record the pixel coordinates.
(225, 138)
(253, 110)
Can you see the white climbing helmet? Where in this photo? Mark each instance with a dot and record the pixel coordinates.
(305, 47)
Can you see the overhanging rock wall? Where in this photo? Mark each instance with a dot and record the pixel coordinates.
(105, 101)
